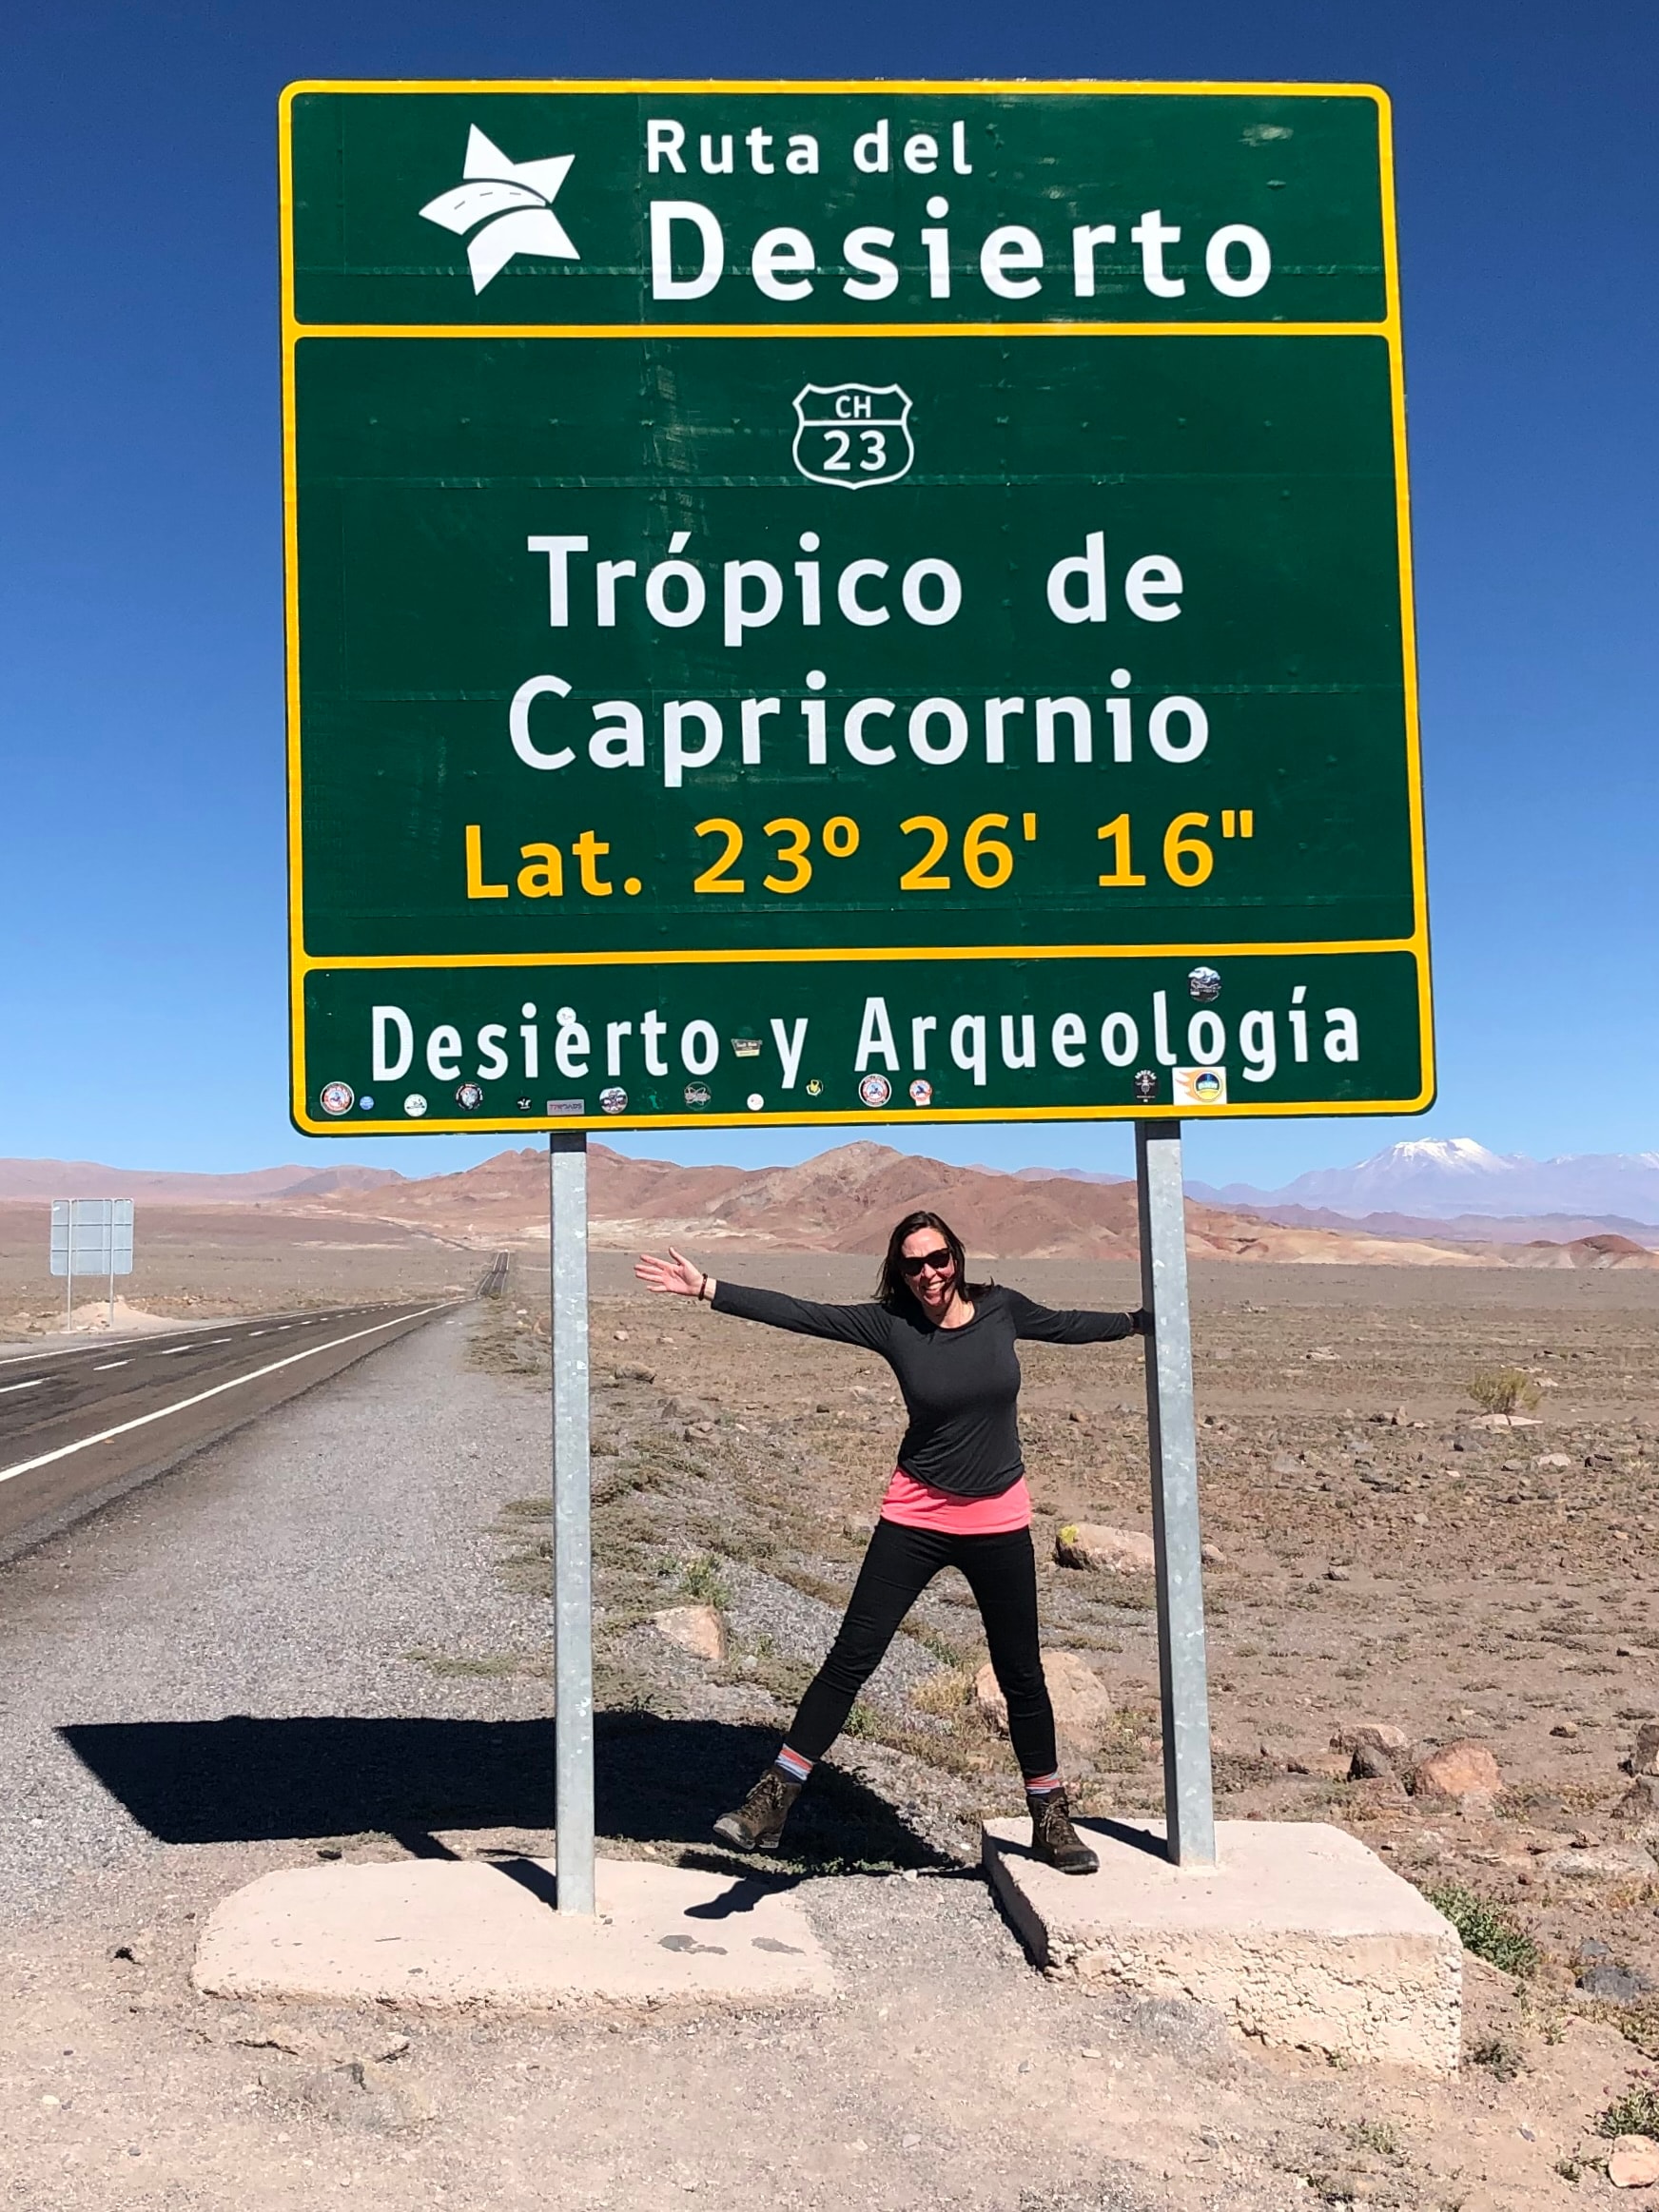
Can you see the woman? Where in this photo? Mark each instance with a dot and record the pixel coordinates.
(957, 1497)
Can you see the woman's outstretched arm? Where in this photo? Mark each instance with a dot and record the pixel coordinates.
(867, 1325)
(1044, 1325)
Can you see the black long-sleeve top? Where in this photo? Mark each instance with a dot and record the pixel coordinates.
(960, 1385)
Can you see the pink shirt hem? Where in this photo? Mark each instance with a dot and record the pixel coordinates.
(914, 1505)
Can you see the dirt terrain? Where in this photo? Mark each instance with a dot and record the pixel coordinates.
(200, 1262)
(1377, 1556)
(1380, 1559)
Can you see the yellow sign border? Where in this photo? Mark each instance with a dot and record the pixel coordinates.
(303, 964)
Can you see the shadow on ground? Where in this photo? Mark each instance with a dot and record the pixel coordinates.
(241, 1780)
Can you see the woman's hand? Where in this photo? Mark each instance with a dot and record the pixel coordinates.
(676, 1274)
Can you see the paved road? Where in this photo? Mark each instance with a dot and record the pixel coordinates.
(80, 1424)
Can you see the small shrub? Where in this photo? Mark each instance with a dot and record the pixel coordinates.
(1635, 2113)
(944, 1692)
(1569, 2170)
(1499, 2058)
(1505, 1390)
(1486, 1929)
(1376, 2135)
(700, 1580)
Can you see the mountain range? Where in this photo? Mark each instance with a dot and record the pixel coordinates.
(1447, 1180)
(1423, 1203)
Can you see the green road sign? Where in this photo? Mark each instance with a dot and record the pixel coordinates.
(876, 600)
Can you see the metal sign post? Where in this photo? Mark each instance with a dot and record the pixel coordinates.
(1172, 1434)
(573, 1592)
(90, 1236)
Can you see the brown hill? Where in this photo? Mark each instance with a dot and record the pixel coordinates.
(844, 1200)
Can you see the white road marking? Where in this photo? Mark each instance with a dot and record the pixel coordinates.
(183, 1404)
(177, 1347)
(34, 1383)
(108, 1364)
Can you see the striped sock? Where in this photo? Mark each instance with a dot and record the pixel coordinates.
(793, 1764)
(1043, 1785)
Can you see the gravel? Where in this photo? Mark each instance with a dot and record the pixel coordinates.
(288, 1571)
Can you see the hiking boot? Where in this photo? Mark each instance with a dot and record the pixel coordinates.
(1053, 1838)
(758, 1822)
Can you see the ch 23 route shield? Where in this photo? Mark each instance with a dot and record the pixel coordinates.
(878, 601)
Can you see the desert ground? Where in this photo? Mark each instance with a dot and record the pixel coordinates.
(203, 1262)
(1379, 1559)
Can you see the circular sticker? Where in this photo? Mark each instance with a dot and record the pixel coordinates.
(470, 1095)
(755, 1101)
(1204, 983)
(366, 1104)
(921, 1092)
(337, 1098)
(697, 1094)
(613, 1101)
(875, 1090)
(1207, 1085)
(414, 1105)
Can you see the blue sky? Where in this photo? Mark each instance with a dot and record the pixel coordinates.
(141, 890)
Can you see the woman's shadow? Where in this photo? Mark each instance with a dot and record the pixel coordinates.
(242, 1780)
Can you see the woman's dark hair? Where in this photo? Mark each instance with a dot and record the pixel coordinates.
(894, 1288)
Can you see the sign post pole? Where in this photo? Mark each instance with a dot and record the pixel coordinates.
(1172, 1437)
(573, 1605)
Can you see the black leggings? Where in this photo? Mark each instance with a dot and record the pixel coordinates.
(1002, 1573)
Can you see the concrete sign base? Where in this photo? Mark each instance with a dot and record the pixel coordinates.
(1299, 1934)
(439, 1932)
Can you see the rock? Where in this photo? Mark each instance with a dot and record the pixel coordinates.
(1643, 1759)
(1104, 1550)
(1369, 1764)
(1465, 1769)
(622, 1336)
(1640, 1803)
(1503, 1420)
(636, 1374)
(1083, 1709)
(1600, 1862)
(694, 1628)
(1283, 1465)
(1553, 1459)
(1566, 1728)
(1613, 1984)
(139, 1949)
(297, 2042)
(1212, 1555)
(1633, 2162)
(1382, 1735)
(1339, 1574)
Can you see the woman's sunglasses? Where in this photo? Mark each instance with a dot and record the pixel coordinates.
(939, 1261)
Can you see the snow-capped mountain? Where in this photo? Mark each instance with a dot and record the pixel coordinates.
(1439, 1178)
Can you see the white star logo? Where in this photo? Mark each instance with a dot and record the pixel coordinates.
(512, 200)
